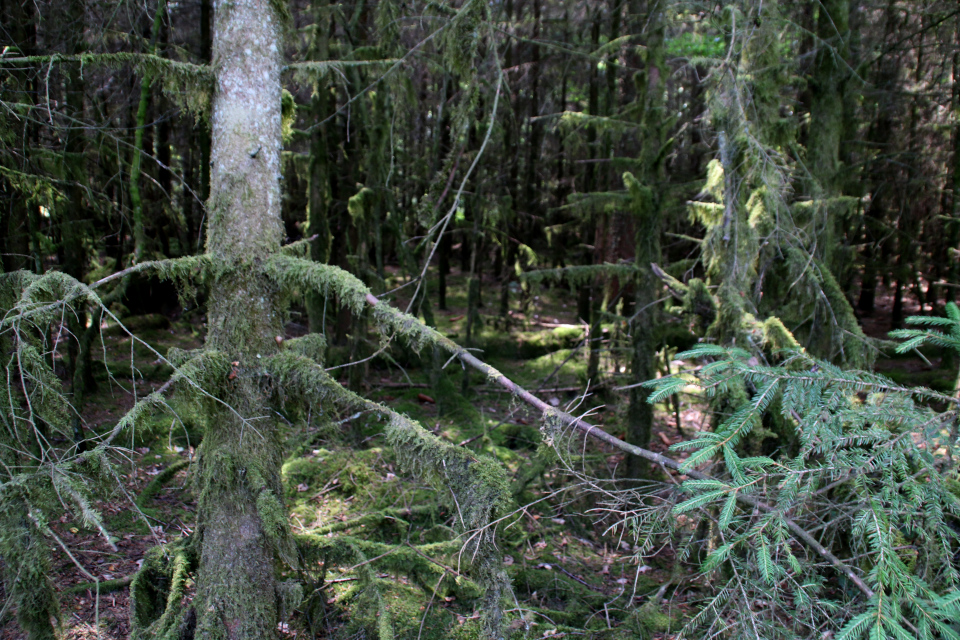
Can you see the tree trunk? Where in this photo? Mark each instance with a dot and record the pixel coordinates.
(648, 221)
(587, 297)
(827, 98)
(318, 223)
(240, 514)
(139, 235)
(881, 134)
(952, 212)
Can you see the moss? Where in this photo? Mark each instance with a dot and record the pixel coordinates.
(332, 551)
(648, 621)
(26, 571)
(273, 516)
(360, 204)
(349, 468)
(817, 310)
(104, 586)
(527, 345)
(312, 345)
(778, 337)
(560, 597)
(478, 486)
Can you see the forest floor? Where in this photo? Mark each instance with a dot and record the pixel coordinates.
(569, 570)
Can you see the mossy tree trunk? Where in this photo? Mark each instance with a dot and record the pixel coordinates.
(319, 174)
(241, 517)
(827, 96)
(17, 214)
(508, 248)
(647, 209)
(136, 203)
(588, 295)
(76, 216)
(25, 554)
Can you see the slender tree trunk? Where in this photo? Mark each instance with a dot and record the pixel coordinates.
(318, 222)
(74, 219)
(648, 223)
(443, 270)
(17, 217)
(441, 147)
(588, 296)
(531, 181)
(240, 513)
(136, 201)
(510, 135)
(881, 135)
(206, 54)
(827, 98)
(953, 211)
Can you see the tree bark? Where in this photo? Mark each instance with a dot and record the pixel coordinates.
(241, 517)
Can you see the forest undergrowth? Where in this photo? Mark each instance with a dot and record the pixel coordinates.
(575, 567)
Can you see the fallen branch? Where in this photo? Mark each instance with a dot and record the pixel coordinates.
(105, 586)
(424, 385)
(599, 434)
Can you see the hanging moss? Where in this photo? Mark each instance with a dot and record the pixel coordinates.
(288, 115)
(304, 275)
(360, 204)
(699, 303)
(26, 567)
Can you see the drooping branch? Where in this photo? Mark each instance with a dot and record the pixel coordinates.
(599, 434)
(321, 277)
(189, 84)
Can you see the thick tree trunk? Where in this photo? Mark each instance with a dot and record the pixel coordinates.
(240, 514)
